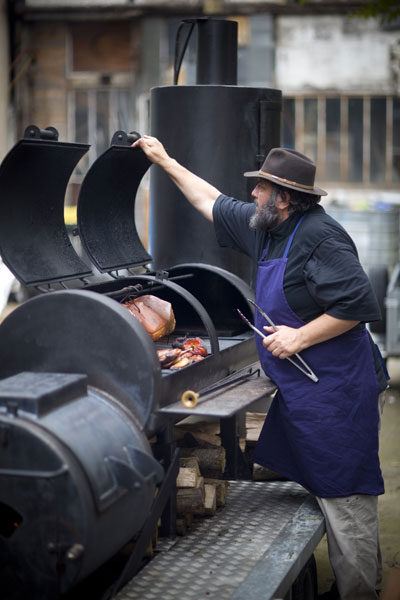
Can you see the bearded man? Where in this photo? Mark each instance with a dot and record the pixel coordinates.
(310, 282)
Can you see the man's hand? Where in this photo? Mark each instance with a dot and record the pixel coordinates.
(284, 342)
(153, 149)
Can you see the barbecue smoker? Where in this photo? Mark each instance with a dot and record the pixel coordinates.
(81, 387)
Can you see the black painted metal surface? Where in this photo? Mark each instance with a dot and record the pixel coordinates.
(34, 242)
(84, 477)
(216, 52)
(218, 132)
(74, 465)
(106, 207)
(84, 332)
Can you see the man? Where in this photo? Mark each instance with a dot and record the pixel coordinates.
(323, 435)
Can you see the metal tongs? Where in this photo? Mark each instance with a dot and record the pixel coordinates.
(307, 371)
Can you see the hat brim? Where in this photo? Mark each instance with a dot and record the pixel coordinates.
(316, 190)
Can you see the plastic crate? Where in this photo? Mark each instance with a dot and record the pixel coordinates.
(374, 232)
(393, 314)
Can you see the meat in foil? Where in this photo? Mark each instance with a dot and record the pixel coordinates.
(156, 315)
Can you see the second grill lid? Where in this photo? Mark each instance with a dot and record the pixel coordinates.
(106, 206)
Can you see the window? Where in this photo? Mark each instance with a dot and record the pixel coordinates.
(355, 139)
(102, 59)
(378, 139)
(352, 139)
(332, 137)
(395, 166)
(102, 47)
(95, 115)
(311, 127)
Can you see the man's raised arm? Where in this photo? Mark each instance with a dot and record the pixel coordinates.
(200, 194)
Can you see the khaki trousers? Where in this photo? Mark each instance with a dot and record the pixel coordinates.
(352, 528)
(352, 531)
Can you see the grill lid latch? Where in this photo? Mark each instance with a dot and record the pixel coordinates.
(161, 275)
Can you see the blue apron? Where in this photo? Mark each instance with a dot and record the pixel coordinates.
(322, 435)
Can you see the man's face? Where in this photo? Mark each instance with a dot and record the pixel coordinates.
(265, 197)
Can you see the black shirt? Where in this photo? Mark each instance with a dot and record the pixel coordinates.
(323, 273)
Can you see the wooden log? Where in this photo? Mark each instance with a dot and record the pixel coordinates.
(210, 500)
(188, 518)
(221, 486)
(254, 424)
(194, 439)
(191, 462)
(212, 461)
(181, 527)
(148, 553)
(151, 546)
(154, 539)
(193, 424)
(188, 477)
(191, 500)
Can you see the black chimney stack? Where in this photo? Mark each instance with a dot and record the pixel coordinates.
(218, 130)
(216, 52)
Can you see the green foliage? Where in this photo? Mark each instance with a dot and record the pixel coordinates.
(385, 10)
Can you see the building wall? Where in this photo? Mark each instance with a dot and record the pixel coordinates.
(337, 59)
(315, 56)
(42, 95)
(334, 53)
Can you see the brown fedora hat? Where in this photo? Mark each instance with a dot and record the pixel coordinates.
(290, 169)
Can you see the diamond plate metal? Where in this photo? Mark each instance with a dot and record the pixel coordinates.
(214, 558)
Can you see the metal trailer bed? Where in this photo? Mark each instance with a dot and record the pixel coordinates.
(253, 549)
(256, 546)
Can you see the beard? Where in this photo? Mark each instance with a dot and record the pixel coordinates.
(266, 217)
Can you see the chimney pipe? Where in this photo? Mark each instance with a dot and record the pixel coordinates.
(216, 52)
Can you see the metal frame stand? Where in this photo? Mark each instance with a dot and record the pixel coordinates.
(164, 505)
(236, 464)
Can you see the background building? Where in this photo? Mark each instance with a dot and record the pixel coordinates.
(86, 68)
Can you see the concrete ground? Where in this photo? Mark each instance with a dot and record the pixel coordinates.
(389, 503)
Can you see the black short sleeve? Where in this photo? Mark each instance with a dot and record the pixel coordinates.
(231, 223)
(338, 283)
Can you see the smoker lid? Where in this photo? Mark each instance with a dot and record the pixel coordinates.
(34, 242)
(106, 206)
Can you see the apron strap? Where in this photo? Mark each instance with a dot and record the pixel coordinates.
(289, 243)
(264, 254)
(290, 240)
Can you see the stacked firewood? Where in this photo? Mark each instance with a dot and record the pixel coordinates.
(201, 491)
(254, 424)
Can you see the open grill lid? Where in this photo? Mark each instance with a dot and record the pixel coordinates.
(34, 241)
(106, 206)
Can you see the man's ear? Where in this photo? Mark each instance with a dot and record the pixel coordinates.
(284, 199)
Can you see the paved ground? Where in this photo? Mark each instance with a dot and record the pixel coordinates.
(389, 503)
